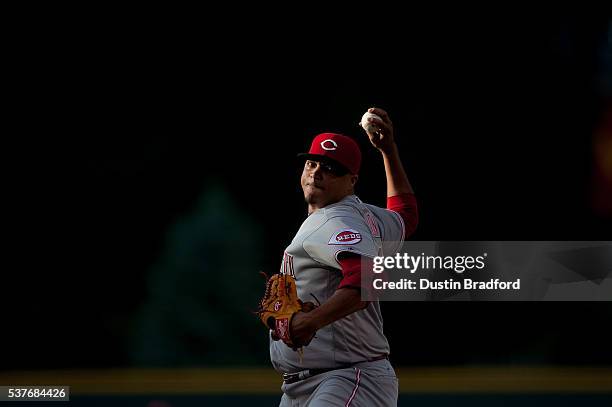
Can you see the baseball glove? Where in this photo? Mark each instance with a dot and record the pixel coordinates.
(278, 306)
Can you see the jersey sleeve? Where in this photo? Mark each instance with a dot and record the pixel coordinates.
(339, 235)
(391, 229)
(397, 222)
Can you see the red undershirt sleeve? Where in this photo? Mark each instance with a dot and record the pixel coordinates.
(406, 206)
(351, 271)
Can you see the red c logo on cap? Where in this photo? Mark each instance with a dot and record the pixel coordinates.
(335, 146)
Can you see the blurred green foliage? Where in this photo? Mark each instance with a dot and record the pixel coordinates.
(202, 291)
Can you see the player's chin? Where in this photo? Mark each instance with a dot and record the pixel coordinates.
(309, 198)
(312, 195)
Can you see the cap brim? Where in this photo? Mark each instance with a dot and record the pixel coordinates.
(325, 159)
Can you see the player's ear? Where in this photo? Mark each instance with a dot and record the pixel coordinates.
(354, 178)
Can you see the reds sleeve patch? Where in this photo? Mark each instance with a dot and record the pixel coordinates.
(345, 237)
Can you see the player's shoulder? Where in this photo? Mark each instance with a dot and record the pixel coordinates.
(338, 216)
(380, 213)
(345, 211)
(340, 227)
(353, 208)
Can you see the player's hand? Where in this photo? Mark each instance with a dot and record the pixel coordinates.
(306, 307)
(383, 138)
(301, 329)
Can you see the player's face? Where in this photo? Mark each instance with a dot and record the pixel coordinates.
(322, 186)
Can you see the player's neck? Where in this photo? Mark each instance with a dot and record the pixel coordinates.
(314, 206)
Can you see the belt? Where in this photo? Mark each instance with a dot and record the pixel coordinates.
(289, 378)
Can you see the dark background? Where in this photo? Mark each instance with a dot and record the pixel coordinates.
(171, 180)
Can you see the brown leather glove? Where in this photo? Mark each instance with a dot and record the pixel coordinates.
(278, 306)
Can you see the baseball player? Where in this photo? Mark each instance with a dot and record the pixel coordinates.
(336, 354)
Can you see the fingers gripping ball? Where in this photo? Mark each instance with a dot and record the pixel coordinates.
(278, 306)
(367, 125)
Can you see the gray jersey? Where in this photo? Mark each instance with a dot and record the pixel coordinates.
(312, 258)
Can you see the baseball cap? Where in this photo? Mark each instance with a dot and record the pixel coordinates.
(335, 149)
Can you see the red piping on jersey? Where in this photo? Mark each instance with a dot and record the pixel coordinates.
(357, 380)
(406, 206)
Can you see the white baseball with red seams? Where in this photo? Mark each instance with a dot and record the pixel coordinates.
(367, 126)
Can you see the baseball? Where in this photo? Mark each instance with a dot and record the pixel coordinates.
(369, 127)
